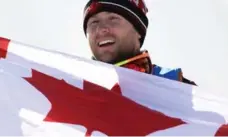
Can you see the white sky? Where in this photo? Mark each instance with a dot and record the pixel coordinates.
(191, 34)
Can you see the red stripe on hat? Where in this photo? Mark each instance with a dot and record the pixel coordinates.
(4, 43)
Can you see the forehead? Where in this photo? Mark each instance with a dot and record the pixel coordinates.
(104, 14)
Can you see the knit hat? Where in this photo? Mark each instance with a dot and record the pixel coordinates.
(132, 10)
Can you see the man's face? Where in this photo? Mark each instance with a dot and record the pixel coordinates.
(111, 37)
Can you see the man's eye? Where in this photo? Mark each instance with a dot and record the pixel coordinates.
(94, 22)
(113, 18)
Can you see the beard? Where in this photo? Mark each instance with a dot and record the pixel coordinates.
(125, 47)
(124, 54)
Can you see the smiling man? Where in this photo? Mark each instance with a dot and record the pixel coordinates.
(116, 30)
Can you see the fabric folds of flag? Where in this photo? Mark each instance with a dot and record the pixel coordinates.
(50, 93)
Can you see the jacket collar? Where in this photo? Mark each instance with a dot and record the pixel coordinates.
(140, 62)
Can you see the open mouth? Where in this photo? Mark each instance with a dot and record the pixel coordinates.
(106, 43)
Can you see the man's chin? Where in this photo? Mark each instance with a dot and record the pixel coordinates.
(108, 60)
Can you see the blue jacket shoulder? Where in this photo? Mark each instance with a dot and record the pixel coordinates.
(169, 73)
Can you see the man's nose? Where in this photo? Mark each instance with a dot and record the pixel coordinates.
(103, 28)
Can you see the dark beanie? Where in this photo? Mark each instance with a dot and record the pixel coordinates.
(132, 10)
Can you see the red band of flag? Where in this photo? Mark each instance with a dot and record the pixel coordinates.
(4, 43)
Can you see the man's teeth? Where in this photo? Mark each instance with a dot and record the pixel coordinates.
(105, 42)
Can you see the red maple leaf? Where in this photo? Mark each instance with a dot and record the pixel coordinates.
(3, 47)
(222, 131)
(99, 109)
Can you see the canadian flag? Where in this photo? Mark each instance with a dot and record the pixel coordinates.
(48, 93)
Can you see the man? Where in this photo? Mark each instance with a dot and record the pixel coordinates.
(116, 30)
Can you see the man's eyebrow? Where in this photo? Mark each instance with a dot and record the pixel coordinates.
(91, 19)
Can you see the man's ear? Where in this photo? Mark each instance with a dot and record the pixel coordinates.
(87, 34)
(138, 35)
(139, 38)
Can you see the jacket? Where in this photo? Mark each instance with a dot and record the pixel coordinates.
(143, 64)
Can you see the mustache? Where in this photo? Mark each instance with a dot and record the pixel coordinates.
(107, 35)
